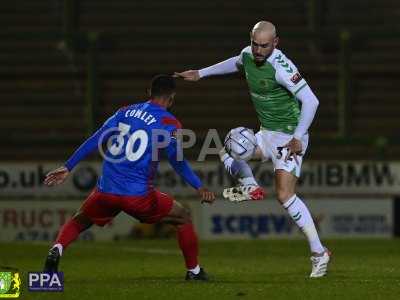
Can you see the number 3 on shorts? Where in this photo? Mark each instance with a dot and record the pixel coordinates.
(282, 152)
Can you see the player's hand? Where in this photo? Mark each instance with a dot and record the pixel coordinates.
(294, 148)
(206, 195)
(56, 176)
(191, 75)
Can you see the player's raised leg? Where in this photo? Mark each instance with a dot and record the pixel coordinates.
(187, 239)
(285, 189)
(248, 188)
(241, 145)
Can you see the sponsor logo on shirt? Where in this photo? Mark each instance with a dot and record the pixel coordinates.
(296, 78)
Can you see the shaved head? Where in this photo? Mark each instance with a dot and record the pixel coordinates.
(264, 27)
(263, 41)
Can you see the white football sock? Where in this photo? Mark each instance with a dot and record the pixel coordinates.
(60, 248)
(239, 169)
(302, 217)
(196, 270)
(248, 181)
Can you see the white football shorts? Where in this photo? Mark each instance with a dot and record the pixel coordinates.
(271, 145)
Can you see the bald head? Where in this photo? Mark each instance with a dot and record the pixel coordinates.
(265, 28)
(263, 41)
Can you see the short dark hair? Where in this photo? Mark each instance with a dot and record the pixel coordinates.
(162, 85)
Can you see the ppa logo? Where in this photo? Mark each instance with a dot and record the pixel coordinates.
(46, 282)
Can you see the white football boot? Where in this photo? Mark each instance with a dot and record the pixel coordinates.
(320, 264)
(244, 193)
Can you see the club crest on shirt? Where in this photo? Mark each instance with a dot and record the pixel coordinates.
(264, 82)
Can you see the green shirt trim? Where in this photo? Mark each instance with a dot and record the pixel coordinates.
(295, 93)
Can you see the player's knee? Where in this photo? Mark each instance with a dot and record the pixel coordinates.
(186, 216)
(181, 214)
(82, 219)
(283, 195)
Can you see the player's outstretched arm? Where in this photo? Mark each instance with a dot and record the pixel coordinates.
(190, 75)
(226, 67)
(56, 176)
(93, 142)
(59, 175)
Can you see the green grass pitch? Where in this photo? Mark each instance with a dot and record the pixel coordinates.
(258, 269)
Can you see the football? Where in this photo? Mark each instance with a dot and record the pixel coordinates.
(240, 143)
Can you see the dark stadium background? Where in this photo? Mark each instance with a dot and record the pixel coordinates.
(65, 66)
